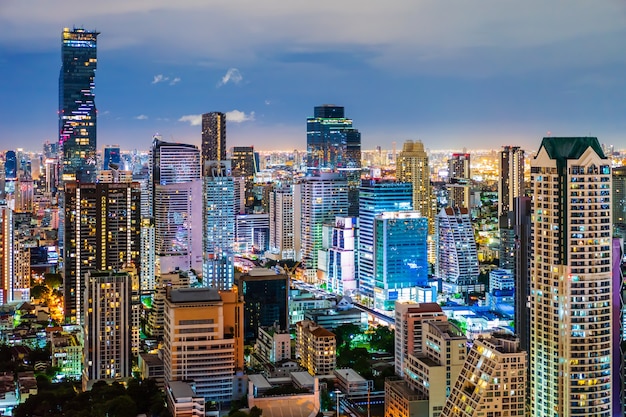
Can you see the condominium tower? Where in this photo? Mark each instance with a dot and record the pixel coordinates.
(77, 107)
(571, 282)
(510, 187)
(459, 180)
(412, 166)
(213, 137)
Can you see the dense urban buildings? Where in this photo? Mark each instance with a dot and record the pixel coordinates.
(77, 107)
(571, 337)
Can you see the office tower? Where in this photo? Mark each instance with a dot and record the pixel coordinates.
(457, 255)
(213, 137)
(244, 165)
(175, 189)
(265, 295)
(111, 157)
(147, 277)
(218, 225)
(108, 316)
(102, 232)
(400, 257)
(522, 228)
(510, 187)
(337, 258)
(412, 166)
(10, 165)
(410, 318)
(284, 234)
(6, 255)
(316, 348)
(333, 145)
(77, 107)
(211, 323)
(24, 194)
(323, 198)
(252, 233)
(431, 374)
(459, 180)
(376, 196)
(492, 381)
(164, 283)
(571, 335)
(619, 201)
(23, 240)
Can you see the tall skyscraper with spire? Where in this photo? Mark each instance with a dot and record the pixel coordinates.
(333, 145)
(213, 137)
(77, 106)
(571, 334)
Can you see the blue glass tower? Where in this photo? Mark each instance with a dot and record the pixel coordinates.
(10, 165)
(377, 196)
(111, 155)
(77, 107)
(401, 257)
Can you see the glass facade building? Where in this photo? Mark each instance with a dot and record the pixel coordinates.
(376, 196)
(77, 107)
(111, 155)
(213, 137)
(401, 257)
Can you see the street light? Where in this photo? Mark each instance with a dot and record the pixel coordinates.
(337, 394)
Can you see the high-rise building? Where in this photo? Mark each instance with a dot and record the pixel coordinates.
(102, 231)
(337, 258)
(571, 334)
(213, 137)
(265, 295)
(6, 255)
(252, 232)
(410, 318)
(400, 257)
(619, 201)
(457, 255)
(244, 164)
(316, 348)
(492, 381)
(111, 155)
(521, 273)
(175, 190)
(333, 145)
(412, 166)
(376, 196)
(108, 317)
(459, 180)
(203, 340)
(510, 187)
(77, 107)
(218, 225)
(284, 224)
(323, 198)
(10, 165)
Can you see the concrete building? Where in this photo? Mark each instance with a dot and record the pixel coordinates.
(337, 259)
(273, 345)
(284, 225)
(182, 400)
(409, 321)
(492, 381)
(203, 340)
(66, 352)
(459, 180)
(316, 348)
(571, 290)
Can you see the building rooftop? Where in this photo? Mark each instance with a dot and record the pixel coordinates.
(186, 295)
(180, 389)
(570, 147)
(349, 375)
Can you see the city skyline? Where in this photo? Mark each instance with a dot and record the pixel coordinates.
(450, 75)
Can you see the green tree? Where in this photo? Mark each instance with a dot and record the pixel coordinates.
(343, 335)
(53, 280)
(382, 338)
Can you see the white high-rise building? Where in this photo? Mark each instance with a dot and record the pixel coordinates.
(218, 225)
(337, 259)
(284, 224)
(571, 324)
(323, 198)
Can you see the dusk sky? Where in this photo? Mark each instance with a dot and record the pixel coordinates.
(452, 73)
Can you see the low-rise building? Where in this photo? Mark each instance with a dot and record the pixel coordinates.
(182, 400)
(316, 348)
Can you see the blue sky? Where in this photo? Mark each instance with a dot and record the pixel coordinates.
(452, 73)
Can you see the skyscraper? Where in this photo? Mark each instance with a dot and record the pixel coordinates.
(376, 196)
(218, 225)
(213, 137)
(333, 145)
(244, 165)
(111, 155)
(284, 232)
(571, 334)
(77, 107)
(102, 232)
(412, 166)
(459, 180)
(323, 198)
(510, 186)
(175, 190)
(619, 201)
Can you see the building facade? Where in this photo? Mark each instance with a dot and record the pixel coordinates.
(316, 348)
(412, 166)
(459, 180)
(213, 137)
(284, 228)
(77, 106)
(571, 290)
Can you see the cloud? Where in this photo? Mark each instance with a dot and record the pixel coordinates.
(267, 102)
(141, 117)
(175, 81)
(159, 79)
(192, 119)
(232, 75)
(236, 116)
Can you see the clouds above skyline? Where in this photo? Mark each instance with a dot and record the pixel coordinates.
(442, 71)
